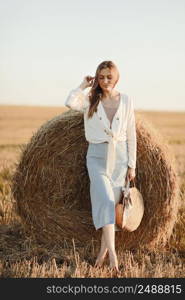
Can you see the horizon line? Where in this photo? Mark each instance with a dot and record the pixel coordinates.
(63, 106)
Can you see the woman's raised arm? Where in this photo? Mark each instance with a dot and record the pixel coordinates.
(76, 99)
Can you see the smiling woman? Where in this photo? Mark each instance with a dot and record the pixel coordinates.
(106, 77)
(109, 123)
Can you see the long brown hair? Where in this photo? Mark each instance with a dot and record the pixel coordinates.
(96, 92)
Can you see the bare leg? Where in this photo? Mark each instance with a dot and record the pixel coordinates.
(102, 253)
(109, 236)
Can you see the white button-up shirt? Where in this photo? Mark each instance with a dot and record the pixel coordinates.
(98, 128)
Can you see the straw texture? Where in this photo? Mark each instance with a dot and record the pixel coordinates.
(51, 186)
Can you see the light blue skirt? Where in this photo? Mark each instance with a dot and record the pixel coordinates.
(105, 192)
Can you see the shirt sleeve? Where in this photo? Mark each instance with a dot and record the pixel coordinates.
(77, 100)
(131, 136)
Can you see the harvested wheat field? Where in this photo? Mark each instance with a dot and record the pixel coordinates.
(51, 186)
(46, 225)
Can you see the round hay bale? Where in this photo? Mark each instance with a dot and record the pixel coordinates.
(51, 186)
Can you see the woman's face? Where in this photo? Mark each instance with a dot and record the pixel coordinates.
(107, 79)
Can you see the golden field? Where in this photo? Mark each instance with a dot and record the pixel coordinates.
(22, 257)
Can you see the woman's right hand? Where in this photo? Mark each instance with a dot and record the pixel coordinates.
(87, 82)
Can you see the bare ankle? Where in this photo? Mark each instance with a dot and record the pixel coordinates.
(102, 253)
(112, 254)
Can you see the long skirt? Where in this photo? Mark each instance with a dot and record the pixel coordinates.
(105, 191)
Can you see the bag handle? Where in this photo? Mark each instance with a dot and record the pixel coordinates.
(128, 184)
(132, 183)
(125, 189)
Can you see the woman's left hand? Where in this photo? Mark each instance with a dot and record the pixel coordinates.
(130, 174)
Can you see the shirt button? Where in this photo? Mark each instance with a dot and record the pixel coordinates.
(100, 118)
(117, 119)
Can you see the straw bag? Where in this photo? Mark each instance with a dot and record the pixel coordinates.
(130, 209)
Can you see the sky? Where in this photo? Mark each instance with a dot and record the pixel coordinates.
(47, 47)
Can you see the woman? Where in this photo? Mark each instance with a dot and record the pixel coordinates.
(109, 123)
